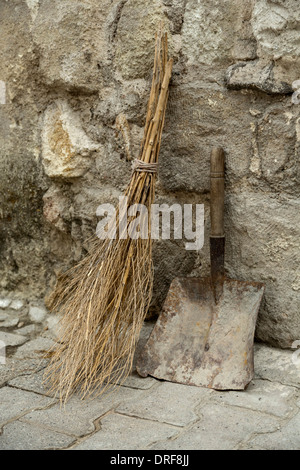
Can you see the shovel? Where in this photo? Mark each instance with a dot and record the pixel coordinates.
(205, 333)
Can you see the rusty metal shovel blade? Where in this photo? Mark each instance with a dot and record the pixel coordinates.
(197, 341)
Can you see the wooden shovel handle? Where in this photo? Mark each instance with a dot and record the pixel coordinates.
(217, 192)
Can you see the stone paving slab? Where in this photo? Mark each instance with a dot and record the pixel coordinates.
(126, 433)
(221, 428)
(15, 403)
(15, 367)
(260, 395)
(136, 381)
(146, 413)
(168, 403)
(20, 435)
(77, 416)
(285, 438)
(277, 365)
(35, 348)
(31, 382)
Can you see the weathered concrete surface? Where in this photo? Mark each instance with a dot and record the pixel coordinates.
(75, 78)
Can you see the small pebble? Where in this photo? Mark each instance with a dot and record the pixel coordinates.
(17, 304)
(37, 314)
(4, 303)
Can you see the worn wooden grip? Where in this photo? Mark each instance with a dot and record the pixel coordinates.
(217, 192)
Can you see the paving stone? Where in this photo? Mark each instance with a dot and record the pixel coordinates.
(286, 438)
(136, 381)
(31, 382)
(15, 402)
(169, 403)
(35, 348)
(15, 367)
(268, 397)
(77, 416)
(126, 433)
(221, 428)
(146, 413)
(10, 339)
(20, 435)
(277, 365)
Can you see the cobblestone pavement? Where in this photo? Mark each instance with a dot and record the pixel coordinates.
(146, 413)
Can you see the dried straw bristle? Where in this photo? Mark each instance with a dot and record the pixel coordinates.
(103, 300)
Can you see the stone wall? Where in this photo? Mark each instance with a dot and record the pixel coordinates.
(75, 78)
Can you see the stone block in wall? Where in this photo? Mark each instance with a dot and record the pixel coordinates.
(207, 31)
(258, 75)
(135, 37)
(276, 140)
(197, 119)
(263, 244)
(245, 45)
(17, 58)
(66, 148)
(276, 28)
(56, 207)
(71, 41)
(175, 13)
(271, 27)
(287, 69)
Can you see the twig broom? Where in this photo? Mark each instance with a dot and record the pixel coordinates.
(103, 300)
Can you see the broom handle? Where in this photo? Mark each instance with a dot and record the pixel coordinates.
(159, 110)
(153, 137)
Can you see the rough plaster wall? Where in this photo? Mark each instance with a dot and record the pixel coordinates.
(76, 72)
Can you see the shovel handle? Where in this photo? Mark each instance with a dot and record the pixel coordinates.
(217, 192)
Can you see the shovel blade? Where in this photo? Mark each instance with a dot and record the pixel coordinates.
(197, 341)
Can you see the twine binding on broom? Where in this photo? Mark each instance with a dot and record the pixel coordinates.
(139, 165)
(104, 299)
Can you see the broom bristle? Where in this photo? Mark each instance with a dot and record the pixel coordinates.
(103, 300)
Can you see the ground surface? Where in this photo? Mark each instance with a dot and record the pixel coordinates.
(147, 413)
